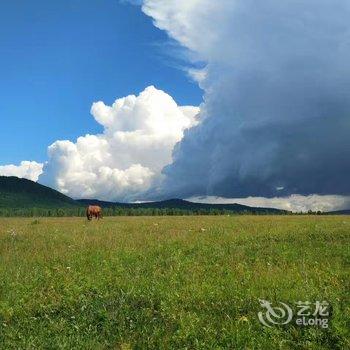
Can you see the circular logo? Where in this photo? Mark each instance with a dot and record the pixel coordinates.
(274, 315)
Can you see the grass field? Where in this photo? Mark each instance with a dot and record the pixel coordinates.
(170, 282)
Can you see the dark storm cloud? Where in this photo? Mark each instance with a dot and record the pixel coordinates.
(276, 115)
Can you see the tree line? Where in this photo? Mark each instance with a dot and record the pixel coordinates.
(120, 211)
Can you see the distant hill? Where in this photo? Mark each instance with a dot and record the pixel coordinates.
(182, 204)
(340, 212)
(23, 193)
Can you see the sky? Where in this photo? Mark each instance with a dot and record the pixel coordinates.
(152, 99)
(58, 57)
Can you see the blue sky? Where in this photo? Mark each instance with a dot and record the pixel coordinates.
(58, 57)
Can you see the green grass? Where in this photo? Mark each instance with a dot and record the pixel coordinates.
(170, 282)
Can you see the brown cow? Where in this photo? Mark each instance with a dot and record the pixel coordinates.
(93, 211)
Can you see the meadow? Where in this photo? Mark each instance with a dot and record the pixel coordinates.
(190, 282)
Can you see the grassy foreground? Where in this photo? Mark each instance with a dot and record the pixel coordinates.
(170, 282)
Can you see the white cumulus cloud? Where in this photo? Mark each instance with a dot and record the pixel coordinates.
(127, 158)
(26, 169)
